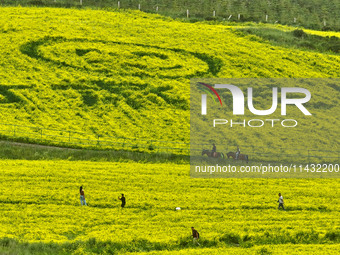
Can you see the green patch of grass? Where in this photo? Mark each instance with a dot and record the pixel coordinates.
(296, 39)
(9, 150)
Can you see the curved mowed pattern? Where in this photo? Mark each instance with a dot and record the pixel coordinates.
(127, 73)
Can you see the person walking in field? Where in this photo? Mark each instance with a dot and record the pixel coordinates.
(281, 202)
(82, 196)
(122, 198)
(195, 236)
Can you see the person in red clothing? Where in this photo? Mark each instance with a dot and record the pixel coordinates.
(82, 196)
(195, 235)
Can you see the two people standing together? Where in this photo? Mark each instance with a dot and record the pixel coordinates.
(213, 151)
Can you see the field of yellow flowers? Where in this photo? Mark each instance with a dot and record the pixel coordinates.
(127, 74)
(40, 206)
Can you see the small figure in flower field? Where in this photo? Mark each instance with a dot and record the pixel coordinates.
(122, 198)
(82, 196)
(195, 236)
(280, 201)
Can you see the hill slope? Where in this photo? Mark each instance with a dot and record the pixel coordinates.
(128, 73)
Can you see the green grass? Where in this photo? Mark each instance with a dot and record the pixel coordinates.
(309, 14)
(9, 150)
(297, 39)
(92, 246)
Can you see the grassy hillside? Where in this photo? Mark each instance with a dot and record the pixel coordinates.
(40, 205)
(316, 14)
(127, 73)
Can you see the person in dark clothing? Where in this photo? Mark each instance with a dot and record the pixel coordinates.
(195, 236)
(122, 198)
(213, 151)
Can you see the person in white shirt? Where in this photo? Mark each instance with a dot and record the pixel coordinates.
(281, 202)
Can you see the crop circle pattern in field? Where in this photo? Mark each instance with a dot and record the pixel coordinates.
(118, 58)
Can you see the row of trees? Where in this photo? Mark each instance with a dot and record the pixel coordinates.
(316, 14)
